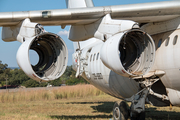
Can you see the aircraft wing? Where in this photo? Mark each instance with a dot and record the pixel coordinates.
(142, 13)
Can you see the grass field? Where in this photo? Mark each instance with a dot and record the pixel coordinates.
(81, 102)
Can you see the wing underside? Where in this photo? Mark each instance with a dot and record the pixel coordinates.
(142, 13)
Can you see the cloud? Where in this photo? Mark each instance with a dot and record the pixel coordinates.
(63, 33)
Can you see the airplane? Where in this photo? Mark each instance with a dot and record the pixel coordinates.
(127, 51)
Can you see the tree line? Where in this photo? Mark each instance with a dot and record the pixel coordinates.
(18, 77)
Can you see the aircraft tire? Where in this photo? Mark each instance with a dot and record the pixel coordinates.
(121, 111)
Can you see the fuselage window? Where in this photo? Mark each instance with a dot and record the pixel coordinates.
(167, 41)
(97, 56)
(159, 43)
(175, 40)
(94, 57)
(90, 58)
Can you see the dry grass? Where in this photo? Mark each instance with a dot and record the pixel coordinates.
(67, 92)
(81, 102)
(65, 109)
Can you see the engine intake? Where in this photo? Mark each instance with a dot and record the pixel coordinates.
(129, 54)
(53, 57)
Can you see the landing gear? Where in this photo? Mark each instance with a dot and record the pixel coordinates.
(137, 110)
(121, 111)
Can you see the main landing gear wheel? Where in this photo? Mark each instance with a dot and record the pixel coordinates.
(121, 111)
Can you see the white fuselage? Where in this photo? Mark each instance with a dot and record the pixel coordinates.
(167, 60)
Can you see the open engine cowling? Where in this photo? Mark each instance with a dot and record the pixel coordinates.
(129, 54)
(53, 57)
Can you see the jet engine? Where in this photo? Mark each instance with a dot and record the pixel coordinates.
(129, 53)
(53, 56)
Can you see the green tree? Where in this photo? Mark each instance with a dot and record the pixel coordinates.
(72, 79)
(18, 77)
(56, 82)
(4, 73)
(31, 83)
(68, 78)
(2, 67)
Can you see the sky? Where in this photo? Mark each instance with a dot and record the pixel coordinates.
(8, 50)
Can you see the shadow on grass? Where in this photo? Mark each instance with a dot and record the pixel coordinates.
(107, 107)
(83, 117)
(153, 114)
(86, 102)
(103, 107)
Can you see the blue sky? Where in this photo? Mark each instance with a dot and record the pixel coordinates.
(8, 49)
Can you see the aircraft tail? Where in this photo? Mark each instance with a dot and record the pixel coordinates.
(79, 3)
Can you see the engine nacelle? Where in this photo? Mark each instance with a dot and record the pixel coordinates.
(129, 54)
(53, 57)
